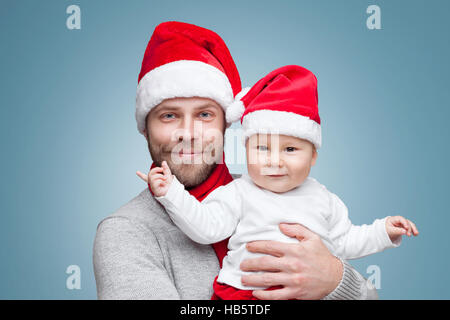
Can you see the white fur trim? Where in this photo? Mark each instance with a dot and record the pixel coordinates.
(184, 78)
(235, 111)
(282, 122)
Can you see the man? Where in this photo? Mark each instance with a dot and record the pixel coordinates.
(188, 79)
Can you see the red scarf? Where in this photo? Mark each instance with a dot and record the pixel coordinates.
(219, 177)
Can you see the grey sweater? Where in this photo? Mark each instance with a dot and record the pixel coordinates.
(140, 254)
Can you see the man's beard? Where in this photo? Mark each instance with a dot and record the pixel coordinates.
(190, 175)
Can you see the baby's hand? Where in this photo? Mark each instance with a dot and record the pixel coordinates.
(159, 179)
(398, 226)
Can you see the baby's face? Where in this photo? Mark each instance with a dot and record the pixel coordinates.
(279, 163)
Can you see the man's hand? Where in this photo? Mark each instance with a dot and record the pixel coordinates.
(306, 270)
(398, 226)
(159, 179)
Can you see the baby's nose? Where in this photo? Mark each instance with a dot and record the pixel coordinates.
(275, 161)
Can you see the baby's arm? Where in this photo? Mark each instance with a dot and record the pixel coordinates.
(354, 242)
(210, 221)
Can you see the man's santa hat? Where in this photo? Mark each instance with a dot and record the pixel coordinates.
(283, 102)
(184, 60)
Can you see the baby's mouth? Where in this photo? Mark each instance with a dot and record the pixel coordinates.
(273, 173)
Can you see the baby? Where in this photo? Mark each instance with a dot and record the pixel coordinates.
(282, 133)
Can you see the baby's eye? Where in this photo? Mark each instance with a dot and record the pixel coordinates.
(290, 149)
(262, 148)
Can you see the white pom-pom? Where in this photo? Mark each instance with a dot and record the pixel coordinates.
(236, 109)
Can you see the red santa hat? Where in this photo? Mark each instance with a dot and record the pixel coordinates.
(283, 102)
(184, 60)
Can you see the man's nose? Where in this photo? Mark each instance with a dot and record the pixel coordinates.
(189, 130)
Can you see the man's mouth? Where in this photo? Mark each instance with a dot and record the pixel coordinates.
(188, 154)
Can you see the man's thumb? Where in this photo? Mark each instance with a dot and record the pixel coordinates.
(296, 231)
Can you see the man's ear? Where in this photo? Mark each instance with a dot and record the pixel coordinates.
(145, 134)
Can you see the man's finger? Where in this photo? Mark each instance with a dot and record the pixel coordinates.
(274, 248)
(297, 231)
(142, 176)
(266, 263)
(267, 279)
(279, 294)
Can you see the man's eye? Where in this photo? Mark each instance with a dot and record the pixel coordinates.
(262, 148)
(168, 116)
(205, 114)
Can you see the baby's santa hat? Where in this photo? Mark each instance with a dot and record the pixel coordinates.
(283, 102)
(184, 60)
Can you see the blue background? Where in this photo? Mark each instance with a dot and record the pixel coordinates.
(70, 147)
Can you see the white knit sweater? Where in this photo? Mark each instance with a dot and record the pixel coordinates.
(247, 213)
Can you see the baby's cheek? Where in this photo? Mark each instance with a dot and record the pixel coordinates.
(299, 175)
(254, 171)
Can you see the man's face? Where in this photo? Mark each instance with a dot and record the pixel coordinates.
(188, 134)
